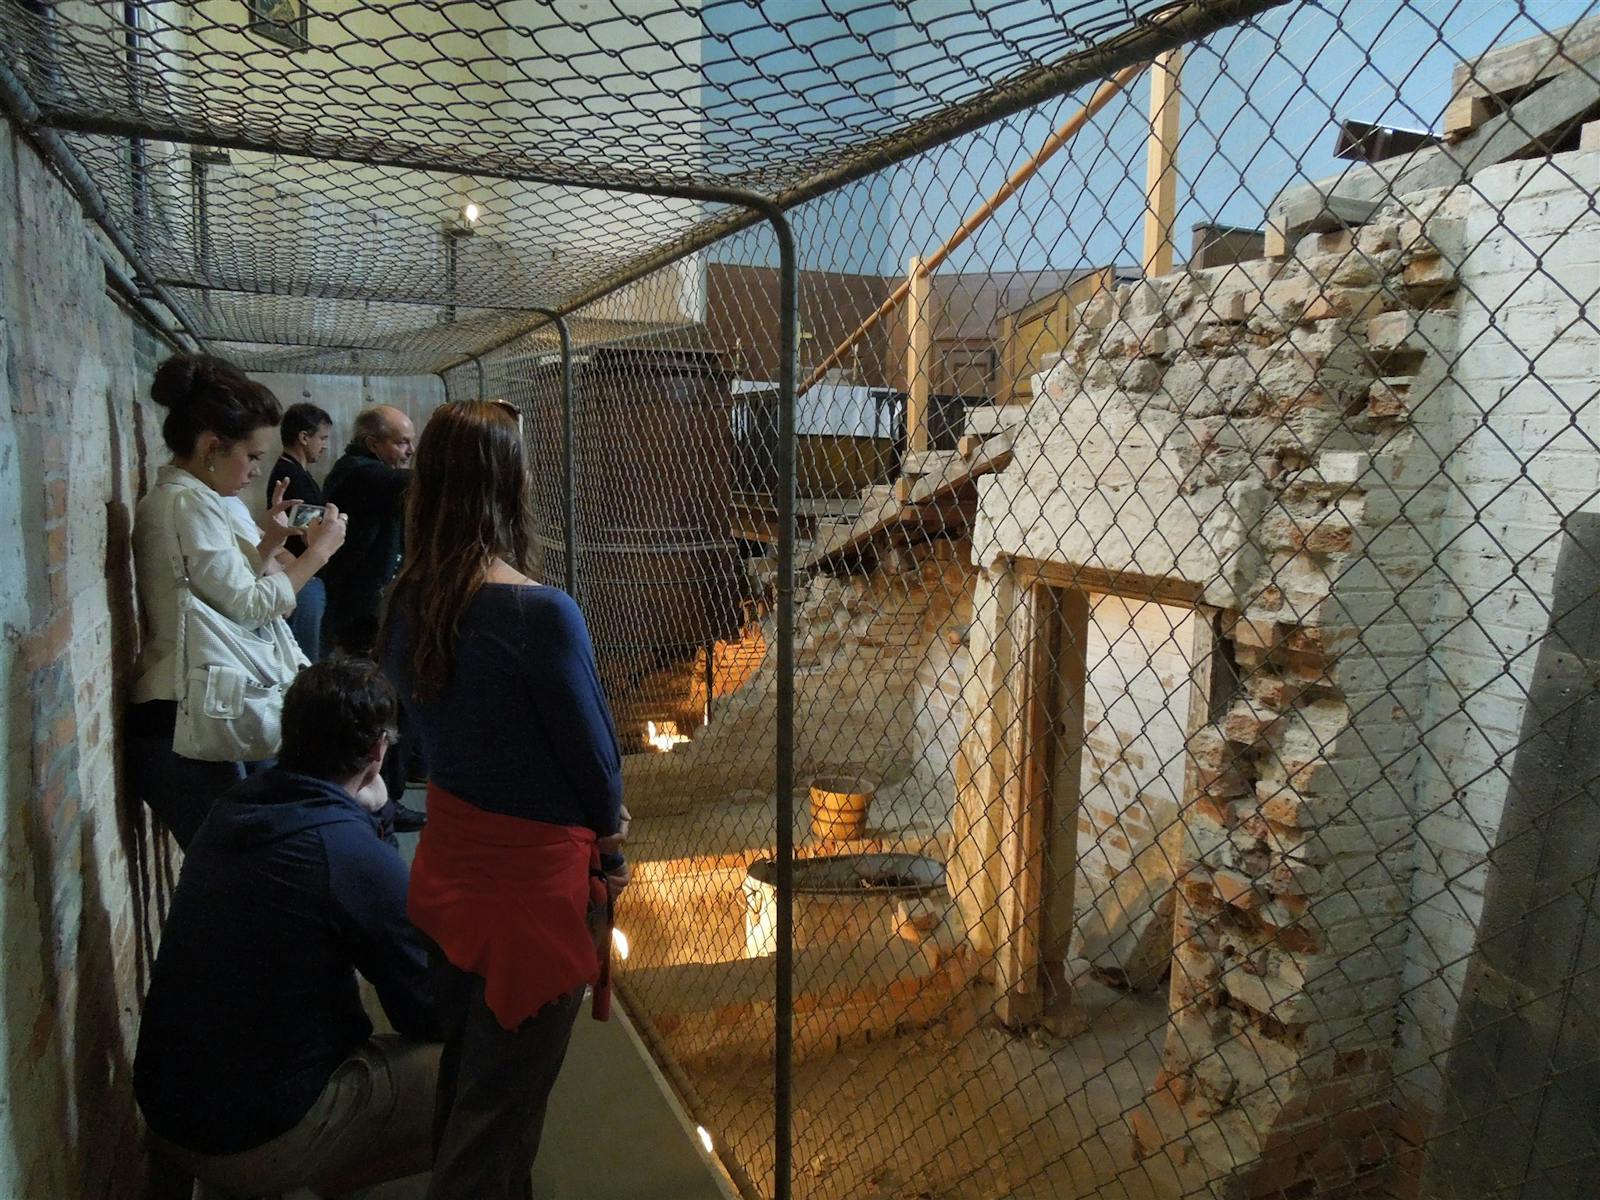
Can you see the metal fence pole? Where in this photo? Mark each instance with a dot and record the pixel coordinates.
(569, 460)
(16, 101)
(788, 372)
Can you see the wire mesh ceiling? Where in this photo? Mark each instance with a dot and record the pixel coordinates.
(394, 186)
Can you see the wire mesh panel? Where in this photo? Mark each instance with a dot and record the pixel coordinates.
(1195, 563)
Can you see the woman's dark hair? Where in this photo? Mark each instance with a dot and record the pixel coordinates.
(467, 504)
(332, 713)
(203, 394)
(302, 418)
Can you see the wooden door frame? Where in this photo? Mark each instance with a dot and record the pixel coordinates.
(1039, 817)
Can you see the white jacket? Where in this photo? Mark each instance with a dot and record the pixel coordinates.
(191, 521)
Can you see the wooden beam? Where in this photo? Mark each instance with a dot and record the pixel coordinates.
(919, 359)
(1526, 128)
(1103, 95)
(1064, 793)
(1482, 88)
(1161, 164)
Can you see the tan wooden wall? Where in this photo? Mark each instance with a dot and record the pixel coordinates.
(1029, 334)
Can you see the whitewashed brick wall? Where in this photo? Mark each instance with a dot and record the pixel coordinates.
(1522, 455)
(75, 445)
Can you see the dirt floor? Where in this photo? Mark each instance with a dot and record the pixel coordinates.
(985, 1116)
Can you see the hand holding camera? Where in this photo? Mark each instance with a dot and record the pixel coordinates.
(324, 529)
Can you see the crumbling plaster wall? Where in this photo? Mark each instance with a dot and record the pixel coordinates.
(1264, 434)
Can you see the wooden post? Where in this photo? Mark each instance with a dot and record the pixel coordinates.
(1063, 792)
(1161, 168)
(919, 365)
(1103, 96)
(1021, 851)
(1039, 839)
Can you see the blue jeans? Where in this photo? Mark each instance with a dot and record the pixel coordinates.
(305, 622)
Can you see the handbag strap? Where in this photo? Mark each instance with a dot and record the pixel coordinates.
(179, 563)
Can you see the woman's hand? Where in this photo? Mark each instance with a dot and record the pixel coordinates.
(619, 879)
(278, 528)
(325, 536)
(613, 844)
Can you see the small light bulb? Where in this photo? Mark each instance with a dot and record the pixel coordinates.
(471, 212)
(619, 942)
(705, 1137)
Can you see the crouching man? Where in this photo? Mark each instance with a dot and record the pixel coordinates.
(257, 1069)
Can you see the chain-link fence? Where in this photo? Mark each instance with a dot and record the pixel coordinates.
(1173, 772)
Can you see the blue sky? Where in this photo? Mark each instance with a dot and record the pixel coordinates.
(1259, 106)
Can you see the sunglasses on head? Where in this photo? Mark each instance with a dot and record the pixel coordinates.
(505, 404)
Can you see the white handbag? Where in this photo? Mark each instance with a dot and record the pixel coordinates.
(231, 683)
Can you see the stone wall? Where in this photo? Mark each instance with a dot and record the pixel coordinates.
(1259, 438)
(902, 625)
(77, 442)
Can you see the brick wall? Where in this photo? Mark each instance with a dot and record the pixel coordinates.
(76, 442)
(1522, 442)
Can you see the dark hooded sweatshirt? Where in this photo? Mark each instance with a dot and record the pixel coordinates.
(286, 893)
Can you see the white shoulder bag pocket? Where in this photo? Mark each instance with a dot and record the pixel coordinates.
(231, 682)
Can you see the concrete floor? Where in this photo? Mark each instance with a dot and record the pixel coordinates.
(614, 1130)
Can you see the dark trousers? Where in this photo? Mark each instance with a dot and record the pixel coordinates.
(494, 1085)
(180, 791)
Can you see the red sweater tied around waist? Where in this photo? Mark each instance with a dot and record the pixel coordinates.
(508, 899)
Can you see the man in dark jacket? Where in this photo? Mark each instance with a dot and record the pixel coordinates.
(257, 1067)
(368, 484)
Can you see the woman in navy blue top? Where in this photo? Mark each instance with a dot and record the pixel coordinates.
(497, 674)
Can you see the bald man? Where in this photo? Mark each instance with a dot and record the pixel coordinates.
(370, 478)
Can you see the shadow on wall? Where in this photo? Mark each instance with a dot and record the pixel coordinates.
(68, 1058)
(76, 949)
(152, 874)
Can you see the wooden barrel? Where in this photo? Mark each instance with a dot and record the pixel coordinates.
(839, 805)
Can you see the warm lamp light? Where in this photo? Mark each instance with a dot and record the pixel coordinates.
(470, 213)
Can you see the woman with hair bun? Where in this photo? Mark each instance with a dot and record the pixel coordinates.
(219, 427)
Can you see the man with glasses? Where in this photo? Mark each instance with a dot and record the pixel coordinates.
(257, 1069)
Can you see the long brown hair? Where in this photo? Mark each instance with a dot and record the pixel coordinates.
(467, 505)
